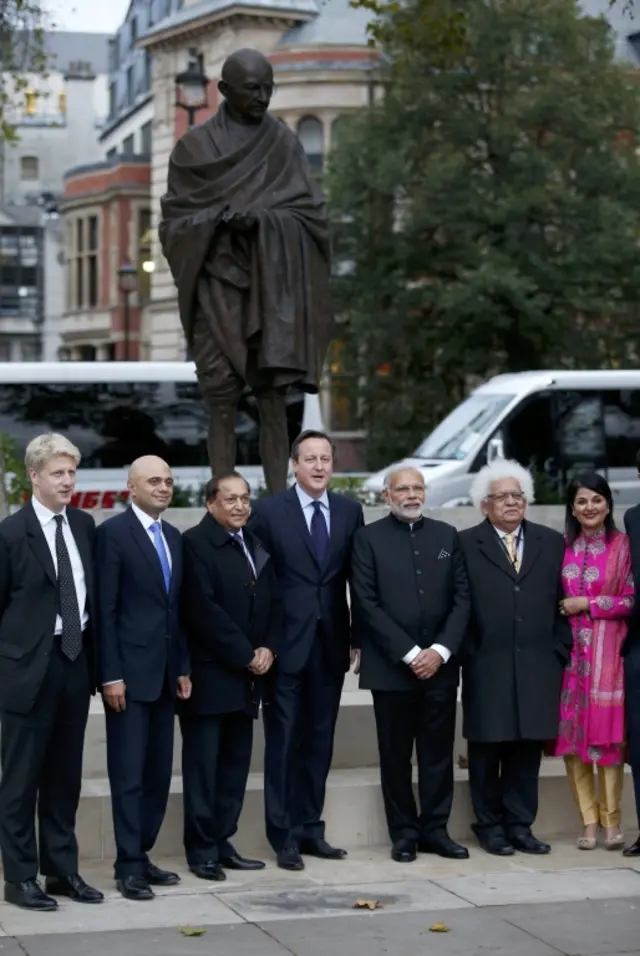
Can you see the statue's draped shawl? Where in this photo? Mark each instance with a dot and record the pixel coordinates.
(271, 284)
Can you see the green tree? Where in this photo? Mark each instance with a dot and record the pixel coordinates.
(22, 52)
(487, 209)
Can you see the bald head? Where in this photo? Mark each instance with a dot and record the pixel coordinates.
(151, 485)
(247, 85)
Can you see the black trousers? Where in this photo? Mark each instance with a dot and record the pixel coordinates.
(503, 780)
(216, 755)
(426, 718)
(140, 762)
(299, 712)
(41, 755)
(632, 709)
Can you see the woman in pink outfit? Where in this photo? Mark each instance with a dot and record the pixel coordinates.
(599, 597)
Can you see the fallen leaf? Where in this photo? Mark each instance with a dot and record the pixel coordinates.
(192, 930)
(362, 904)
(439, 928)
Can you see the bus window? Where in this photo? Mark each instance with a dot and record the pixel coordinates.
(579, 431)
(529, 436)
(114, 423)
(622, 427)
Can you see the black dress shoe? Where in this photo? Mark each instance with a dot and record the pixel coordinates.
(498, 845)
(443, 845)
(633, 850)
(29, 895)
(403, 851)
(157, 877)
(212, 870)
(74, 887)
(527, 843)
(322, 849)
(237, 862)
(289, 858)
(135, 888)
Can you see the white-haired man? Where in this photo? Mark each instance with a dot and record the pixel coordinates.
(516, 648)
(47, 675)
(411, 606)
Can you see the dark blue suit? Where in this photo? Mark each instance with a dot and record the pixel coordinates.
(303, 689)
(141, 642)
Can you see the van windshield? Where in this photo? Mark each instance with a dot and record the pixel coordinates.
(457, 435)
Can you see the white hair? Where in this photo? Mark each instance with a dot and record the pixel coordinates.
(498, 470)
(390, 475)
(42, 449)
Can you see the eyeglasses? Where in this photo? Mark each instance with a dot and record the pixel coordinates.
(516, 496)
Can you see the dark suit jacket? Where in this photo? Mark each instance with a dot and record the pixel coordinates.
(518, 642)
(140, 639)
(311, 595)
(29, 604)
(226, 616)
(409, 588)
(632, 527)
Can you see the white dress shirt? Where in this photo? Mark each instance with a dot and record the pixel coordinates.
(239, 534)
(440, 649)
(146, 521)
(48, 525)
(306, 503)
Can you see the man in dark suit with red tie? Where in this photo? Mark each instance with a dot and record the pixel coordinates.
(47, 676)
(307, 531)
(144, 667)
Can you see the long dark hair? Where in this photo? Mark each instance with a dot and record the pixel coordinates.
(593, 482)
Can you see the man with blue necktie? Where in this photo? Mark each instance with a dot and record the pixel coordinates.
(144, 666)
(308, 532)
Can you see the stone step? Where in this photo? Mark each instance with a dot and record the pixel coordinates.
(355, 740)
(354, 813)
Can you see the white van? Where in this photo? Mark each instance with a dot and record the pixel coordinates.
(116, 411)
(556, 423)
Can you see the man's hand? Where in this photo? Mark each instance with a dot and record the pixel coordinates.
(355, 659)
(184, 688)
(115, 695)
(426, 664)
(262, 661)
(574, 605)
(241, 221)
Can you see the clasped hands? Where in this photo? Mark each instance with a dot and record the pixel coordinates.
(426, 664)
(239, 221)
(262, 661)
(574, 605)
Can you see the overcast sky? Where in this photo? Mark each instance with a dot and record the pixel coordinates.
(95, 16)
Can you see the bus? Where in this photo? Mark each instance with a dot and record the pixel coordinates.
(116, 411)
(555, 423)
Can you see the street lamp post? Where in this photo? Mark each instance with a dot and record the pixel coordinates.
(128, 282)
(191, 88)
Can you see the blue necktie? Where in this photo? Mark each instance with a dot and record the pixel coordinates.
(162, 553)
(319, 532)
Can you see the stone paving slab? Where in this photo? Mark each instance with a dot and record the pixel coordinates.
(588, 928)
(326, 901)
(496, 889)
(241, 940)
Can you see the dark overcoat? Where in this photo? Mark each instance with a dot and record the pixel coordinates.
(517, 642)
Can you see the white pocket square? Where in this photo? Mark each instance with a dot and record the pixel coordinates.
(443, 554)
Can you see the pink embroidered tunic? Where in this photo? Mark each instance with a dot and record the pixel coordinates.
(592, 700)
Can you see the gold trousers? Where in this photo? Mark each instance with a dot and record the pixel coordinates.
(603, 807)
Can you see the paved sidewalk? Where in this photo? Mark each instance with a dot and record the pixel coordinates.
(583, 904)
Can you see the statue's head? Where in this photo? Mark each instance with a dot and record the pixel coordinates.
(247, 85)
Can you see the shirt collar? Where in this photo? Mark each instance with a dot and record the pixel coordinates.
(236, 534)
(306, 500)
(145, 520)
(44, 514)
(503, 534)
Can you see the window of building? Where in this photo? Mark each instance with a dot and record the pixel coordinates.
(134, 30)
(110, 352)
(145, 255)
(21, 271)
(29, 168)
(30, 102)
(146, 139)
(62, 102)
(83, 264)
(87, 353)
(113, 99)
(128, 148)
(147, 70)
(131, 95)
(114, 54)
(311, 136)
(344, 391)
(112, 154)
